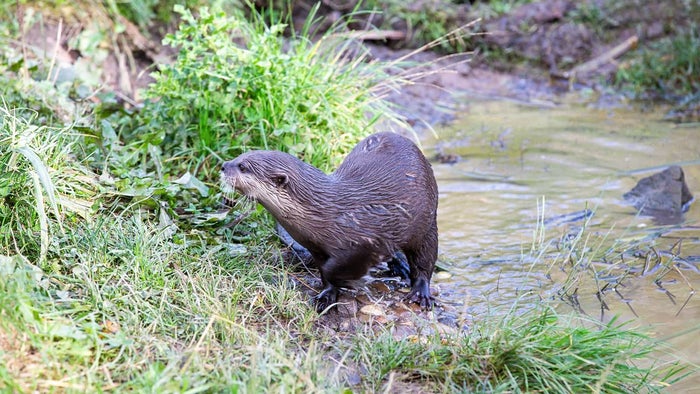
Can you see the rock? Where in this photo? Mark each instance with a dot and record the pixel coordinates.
(442, 275)
(664, 195)
(372, 310)
(373, 314)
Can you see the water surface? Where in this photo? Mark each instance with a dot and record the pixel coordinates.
(521, 164)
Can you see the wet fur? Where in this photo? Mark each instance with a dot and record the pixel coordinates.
(382, 198)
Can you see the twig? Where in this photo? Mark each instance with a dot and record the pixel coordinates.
(599, 61)
(376, 35)
(55, 52)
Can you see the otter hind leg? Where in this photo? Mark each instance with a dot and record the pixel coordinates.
(422, 262)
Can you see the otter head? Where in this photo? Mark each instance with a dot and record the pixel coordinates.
(264, 176)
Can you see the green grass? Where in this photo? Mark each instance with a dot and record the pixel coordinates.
(510, 351)
(438, 23)
(133, 308)
(41, 183)
(237, 85)
(667, 69)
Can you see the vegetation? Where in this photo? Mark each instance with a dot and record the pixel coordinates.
(309, 98)
(443, 23)
(119, 271)
(667, 69)
(536, 352)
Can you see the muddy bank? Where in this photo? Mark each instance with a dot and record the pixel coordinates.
(440, 83)
(531, 53)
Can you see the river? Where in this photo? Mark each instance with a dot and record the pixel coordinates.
(534, 205)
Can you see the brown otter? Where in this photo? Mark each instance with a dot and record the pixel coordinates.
(382, 199)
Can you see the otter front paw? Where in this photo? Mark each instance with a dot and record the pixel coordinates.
(420, 294)
(326, 298)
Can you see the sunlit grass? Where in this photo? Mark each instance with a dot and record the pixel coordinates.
(40, 184)
(535, 350)
(130, 308)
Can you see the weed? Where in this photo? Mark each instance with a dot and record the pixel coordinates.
(667, 69)
(535, 351)
(236, 85)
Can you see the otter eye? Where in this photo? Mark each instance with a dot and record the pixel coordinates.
(242, 167)
(280, 180)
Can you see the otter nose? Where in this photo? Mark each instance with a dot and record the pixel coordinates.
(228, 166)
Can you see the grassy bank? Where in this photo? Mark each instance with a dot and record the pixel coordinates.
(121, 271)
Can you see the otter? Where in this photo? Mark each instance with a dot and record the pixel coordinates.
(381, 200)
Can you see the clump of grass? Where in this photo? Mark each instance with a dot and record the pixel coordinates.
(132, 308)
(667, 69)
(535, 351)
(40, 184)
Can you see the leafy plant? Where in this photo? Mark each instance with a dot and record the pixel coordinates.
(668, 69)
(238, 84)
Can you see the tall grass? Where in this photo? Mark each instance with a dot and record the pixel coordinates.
(40, 183)
(535, 351)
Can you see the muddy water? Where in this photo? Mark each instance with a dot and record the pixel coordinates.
(521, 164)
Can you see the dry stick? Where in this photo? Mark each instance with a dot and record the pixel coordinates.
(599, 61)
(377, 35)
(55, 52)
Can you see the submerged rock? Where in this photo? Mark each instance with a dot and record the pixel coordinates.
(664, 195)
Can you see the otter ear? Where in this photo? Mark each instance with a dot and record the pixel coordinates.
(280, 180)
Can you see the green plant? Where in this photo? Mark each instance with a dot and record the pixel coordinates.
(39, 185)
(426, 22)
(238, 85)
(145, 12)
(667, 69)
(534, 351)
